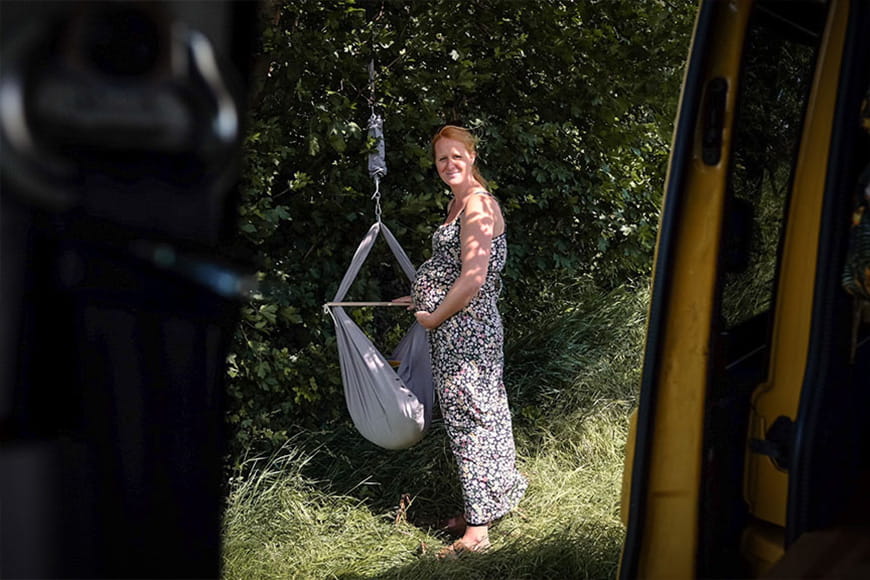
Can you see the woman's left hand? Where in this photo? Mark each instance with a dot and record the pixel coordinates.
(426, 319)
(406, 300)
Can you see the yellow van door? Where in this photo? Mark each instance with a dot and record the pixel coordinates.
(745, 293)
(666, 463)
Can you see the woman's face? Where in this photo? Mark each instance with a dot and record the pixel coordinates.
(453, 162)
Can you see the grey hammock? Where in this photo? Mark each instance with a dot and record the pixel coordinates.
(390, 407)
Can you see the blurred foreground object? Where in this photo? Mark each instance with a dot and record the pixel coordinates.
(120, 128)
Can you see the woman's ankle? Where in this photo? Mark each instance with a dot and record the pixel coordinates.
(476, 534)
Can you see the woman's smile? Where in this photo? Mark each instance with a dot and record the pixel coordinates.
(454, 162)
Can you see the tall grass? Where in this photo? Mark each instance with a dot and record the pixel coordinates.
(331, 505)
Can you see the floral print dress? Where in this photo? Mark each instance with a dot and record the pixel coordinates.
(467, 366)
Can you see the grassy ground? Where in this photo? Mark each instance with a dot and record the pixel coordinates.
(331, 505)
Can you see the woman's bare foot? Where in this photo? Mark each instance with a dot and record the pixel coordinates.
(476, 536)
(476, 539)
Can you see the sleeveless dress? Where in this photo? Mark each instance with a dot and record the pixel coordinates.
(467, 367)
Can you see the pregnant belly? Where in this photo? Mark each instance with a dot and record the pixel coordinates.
(431, 285)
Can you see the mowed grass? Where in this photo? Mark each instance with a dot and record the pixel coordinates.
(331, 505)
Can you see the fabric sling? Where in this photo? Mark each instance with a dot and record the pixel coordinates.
(390, 407)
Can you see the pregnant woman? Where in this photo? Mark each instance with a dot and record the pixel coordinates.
(454, 297)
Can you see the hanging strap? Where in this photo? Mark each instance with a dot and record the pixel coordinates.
(359, 258)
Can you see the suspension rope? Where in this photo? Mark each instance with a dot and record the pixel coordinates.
(377, 197)
(377, 158)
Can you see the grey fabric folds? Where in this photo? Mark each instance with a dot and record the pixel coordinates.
(390, 407)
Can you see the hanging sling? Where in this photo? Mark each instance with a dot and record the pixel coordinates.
(390, 407)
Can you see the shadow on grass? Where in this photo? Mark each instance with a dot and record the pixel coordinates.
(578, 552)
(343, 463)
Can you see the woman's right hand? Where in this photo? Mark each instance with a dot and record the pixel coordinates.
(407, 300)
